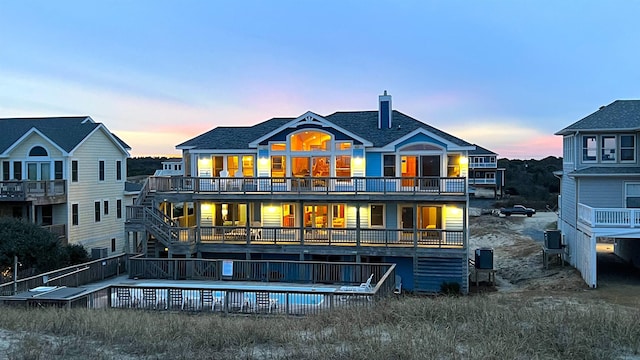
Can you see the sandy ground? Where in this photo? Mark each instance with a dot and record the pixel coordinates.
(517, 243)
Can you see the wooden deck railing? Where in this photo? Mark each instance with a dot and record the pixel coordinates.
(326, 185)
(20, 190)
(248, 295)
(70, 276)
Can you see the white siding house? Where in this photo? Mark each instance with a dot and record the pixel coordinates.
(67, 174)
(600, 186)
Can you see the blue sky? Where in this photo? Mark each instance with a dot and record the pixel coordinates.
(503, 74)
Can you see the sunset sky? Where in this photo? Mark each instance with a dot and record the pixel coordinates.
(505, 75)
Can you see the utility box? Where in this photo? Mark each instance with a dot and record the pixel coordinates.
(99, 253)
(484, 258)
(552, 239)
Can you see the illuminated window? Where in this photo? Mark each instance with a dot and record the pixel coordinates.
(217, 165)
(288, 215)
(310, 141)
(343, 166)
(338, 212)
(278, 166)
(232, 165)
(343, 146)
(247, 166)
(278, 147)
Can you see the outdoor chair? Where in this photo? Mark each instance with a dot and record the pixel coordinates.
(149, 299)
(237, 301)
(208, 300)
(363, 287)
(124, 297)
(264, 302)
(175, 299)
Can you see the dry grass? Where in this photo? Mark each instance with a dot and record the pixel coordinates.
(497, 326)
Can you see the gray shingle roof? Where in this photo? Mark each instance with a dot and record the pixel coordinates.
(621, 115)
(361, 123)
(238, 137)
(479, 150)
(66, 132)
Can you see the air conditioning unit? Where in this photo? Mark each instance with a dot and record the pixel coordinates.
(484, 258)
(552, 239)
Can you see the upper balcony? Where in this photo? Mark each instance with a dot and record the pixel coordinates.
(608, 217)
(404, 187)
(483, 165)
(41, 192)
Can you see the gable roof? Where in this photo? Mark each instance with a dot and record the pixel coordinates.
(361, 123)
(65, 132)
(479, 150)
(232, 137)
(620, 115)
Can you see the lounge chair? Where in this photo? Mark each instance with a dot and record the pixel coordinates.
(364, 287)
(236, 301)
(175, 299)
(207, 299)
(124, 297)
(149, 299)
(264, 302)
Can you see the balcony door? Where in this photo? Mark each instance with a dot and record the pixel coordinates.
(414, 166)
(38, 171)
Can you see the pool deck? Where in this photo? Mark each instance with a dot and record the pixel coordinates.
(125, 281)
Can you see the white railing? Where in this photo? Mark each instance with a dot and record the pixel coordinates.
(327, 185)
(481, 181)
(608, 217)
(483, 165)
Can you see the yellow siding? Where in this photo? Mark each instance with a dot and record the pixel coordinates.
(88, 190)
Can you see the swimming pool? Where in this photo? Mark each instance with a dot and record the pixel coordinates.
(232, 295)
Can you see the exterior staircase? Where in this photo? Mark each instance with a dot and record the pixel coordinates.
(162, 228)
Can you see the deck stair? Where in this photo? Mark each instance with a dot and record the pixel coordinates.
(164, 229)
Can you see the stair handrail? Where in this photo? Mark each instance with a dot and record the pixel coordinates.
(144, 192)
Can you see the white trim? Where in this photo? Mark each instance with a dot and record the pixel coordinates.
(449, 145)
(224, 151)
(306, 119)
(109, 135)
(27, 134)
(104, 179)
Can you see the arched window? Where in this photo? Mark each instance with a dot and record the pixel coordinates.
(310, 140)
(38, 151)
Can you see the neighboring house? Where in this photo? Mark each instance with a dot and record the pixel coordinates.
(171, 167)
(362, 186)
(66, 174)
(484, 173)
(600, 186)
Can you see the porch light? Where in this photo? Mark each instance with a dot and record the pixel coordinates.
(271, 208)
(453, 211)
(464, 160)
(357, 161)
(264, 161)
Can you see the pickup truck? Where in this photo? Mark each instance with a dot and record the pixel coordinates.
(518, 210)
